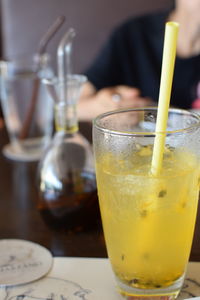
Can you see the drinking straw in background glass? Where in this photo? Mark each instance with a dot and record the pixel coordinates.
(46, 38)
(50, 34)
(168, 60)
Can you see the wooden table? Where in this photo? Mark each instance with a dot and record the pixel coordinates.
(19, 217)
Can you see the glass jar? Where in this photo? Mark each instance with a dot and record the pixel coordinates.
(67, 181)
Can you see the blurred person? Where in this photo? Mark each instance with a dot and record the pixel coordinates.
(127, 71)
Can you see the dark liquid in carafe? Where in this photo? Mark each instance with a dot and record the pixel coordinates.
(75, 208)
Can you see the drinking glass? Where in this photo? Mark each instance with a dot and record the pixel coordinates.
(26, 106)
(148, 220)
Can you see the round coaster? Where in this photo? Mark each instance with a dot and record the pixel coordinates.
(22, 262)
(10, 153)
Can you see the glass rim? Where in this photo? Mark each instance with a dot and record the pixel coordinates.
(73, 77)
(10, 67)
(25, 58)
(145, 133)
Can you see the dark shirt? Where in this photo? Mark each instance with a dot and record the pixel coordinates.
(133, 57)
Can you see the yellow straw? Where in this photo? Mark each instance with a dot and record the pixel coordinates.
(168, 60)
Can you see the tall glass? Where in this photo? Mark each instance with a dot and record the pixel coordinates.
(148, 220)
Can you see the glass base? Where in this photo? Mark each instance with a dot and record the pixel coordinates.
(168, 293)
(11, 153)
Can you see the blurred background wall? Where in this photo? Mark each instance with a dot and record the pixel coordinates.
(25, 21)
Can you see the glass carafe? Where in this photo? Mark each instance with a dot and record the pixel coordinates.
(67, 183)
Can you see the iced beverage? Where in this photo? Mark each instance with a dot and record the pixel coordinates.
(148, 220)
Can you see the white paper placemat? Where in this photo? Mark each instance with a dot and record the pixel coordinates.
(85, 279)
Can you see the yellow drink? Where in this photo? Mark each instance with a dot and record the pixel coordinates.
(148, 221)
